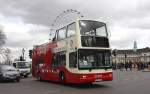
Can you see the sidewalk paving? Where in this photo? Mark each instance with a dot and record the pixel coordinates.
(145, 70)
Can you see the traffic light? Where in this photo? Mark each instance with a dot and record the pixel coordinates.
(30, 53)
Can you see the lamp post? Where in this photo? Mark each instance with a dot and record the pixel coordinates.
(23, 51)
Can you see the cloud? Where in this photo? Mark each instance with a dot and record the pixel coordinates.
(22, 35)
(122, 37)
(27, 22)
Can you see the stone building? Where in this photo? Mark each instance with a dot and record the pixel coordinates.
(127, 55)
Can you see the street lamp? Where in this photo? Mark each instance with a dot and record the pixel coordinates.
(23, 50)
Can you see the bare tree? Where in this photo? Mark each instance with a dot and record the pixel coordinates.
(2, 38)
(5, 54)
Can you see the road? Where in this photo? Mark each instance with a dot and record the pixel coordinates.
(125, 82)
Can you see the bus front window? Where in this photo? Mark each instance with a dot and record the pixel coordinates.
(93, 34)
(83, 62)
(93, 59)
(93, 28)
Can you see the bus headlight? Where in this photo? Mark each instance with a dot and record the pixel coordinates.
(84, 76)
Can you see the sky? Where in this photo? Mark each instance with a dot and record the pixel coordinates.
(28, 22)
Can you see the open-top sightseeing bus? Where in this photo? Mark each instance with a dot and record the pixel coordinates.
(79, 53)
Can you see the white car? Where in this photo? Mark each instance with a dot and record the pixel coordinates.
(8, 72)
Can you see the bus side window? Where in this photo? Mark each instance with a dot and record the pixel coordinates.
(59, 60)
(54, 62)
(71, 29)
(73, 60)
(40, 61)
(61, 33)
(62, 60)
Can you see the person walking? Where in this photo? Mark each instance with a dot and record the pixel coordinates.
(130, 65)
(126, 66)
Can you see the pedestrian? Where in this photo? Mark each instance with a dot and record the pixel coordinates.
(126, 66)
(138, 65)
(130, 65)
(119, 66)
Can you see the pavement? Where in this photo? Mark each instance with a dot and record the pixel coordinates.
(125, 82)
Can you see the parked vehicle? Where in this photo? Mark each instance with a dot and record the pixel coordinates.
(23, 67)
(8, 72)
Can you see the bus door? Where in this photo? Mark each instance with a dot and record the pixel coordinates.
(39, 66)
(54, 67)
(58, 64)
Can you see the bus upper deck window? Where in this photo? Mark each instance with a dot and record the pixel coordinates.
(71, 30)
(62, 33)
(93, 28)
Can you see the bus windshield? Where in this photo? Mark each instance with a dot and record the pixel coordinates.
(23, 65)
(93, 28)
(93, 59)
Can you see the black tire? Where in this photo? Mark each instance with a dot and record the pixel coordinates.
(25, 76)
(62, 77)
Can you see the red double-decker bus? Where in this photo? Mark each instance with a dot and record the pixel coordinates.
(79, 53)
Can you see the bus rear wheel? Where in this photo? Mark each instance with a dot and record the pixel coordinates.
(62, 77)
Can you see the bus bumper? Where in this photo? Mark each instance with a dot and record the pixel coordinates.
(89, 78)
